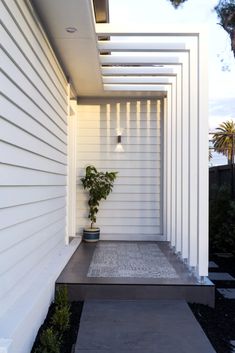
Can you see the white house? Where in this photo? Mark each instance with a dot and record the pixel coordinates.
(60, 112)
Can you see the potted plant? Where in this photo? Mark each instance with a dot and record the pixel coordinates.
(99, 185)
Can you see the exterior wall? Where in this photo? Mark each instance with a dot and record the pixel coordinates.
(33, 156)
(134, 209)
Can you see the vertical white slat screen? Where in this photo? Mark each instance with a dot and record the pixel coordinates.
(134, 209)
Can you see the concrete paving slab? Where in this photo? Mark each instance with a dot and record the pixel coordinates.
(212, 264)
(148, 326)
(228, 293)
(233, 345)
(220, 276)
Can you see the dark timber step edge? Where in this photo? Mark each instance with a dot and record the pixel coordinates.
(202, 294)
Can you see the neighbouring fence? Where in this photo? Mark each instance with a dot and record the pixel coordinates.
(220, 175)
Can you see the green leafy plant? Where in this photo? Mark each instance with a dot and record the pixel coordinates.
(99, 186)
(222, 220)
(226, 12)
(51, 338)
(61, 319)
(61, 297)
(49, 342)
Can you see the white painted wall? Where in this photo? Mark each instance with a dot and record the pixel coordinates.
(134, 209)
(33, 157)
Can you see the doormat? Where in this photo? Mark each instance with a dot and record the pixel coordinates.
(139, 260)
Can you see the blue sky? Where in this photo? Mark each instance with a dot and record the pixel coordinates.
(221, 59)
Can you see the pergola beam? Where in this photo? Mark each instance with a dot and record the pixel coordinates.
(127, 46)
(135, 87)
(139, 60)
(109, 29)
(136, 79)
(138, 70)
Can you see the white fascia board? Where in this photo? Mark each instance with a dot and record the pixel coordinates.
(142, 70)
(141, 87)
(140, 46)
(148, 30)
(136, 79)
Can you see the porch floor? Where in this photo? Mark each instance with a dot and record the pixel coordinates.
(91, 274)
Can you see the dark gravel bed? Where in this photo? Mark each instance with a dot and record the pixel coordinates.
(219, 323)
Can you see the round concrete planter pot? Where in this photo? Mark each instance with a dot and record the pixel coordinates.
(91, 235)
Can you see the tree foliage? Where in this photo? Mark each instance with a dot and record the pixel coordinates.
(177, 3)
(223, 140)
(99, 186)
(226, 12)
(222, 220)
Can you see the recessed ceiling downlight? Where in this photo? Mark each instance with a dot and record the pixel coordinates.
(71, 29)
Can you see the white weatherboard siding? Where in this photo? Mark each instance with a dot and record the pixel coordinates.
(33, 176)
(134, 209)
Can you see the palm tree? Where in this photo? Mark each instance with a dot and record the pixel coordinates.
(223, 140)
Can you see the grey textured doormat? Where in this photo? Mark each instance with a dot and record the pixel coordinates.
(140, 260)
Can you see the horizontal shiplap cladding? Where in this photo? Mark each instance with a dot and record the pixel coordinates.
(109, 164)
(133, 189)
(16, 136)
(33, 69)
(96, 156)
(16, 176)
(14, 155)
(121, 180)
(126, 205)
(126, 230)
(148, 214)
(16, 273)
(19, 195)
(32, 42)
(136, 222)
(126, 173)
(111, 132)
(111, 140)
(33, 146)
(115, 106)
(32, 124)
(134, 206)
(120, 198)
(126, 123)
(20, 232)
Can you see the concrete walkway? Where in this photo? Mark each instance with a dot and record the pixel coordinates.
(122, 326)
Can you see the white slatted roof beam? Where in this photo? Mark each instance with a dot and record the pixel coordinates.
(136, 79)
(134, 87)
(140, 60)
(139, 70)
(147, 46)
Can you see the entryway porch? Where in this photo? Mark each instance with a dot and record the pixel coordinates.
(132, 270)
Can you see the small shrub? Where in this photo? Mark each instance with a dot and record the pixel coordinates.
(61, 319)
(49, 342)
(61, 297)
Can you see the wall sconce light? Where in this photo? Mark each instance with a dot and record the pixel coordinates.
(119, 147)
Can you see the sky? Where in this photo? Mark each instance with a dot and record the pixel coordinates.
(221, 68)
